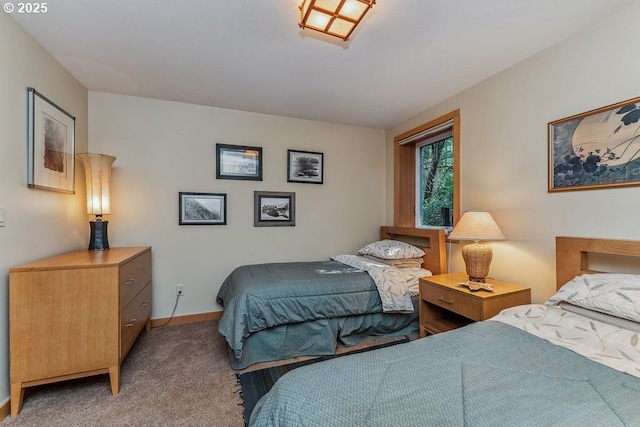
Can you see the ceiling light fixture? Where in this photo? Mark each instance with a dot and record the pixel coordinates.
(337, 18)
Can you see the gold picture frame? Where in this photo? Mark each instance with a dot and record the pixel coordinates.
(596, 149)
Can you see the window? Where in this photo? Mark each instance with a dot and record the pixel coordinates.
(434, 198)
(426, 174)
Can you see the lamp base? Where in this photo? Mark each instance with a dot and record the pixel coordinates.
(477, 259)
(98, 240)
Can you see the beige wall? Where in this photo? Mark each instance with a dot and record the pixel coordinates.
(39, 223)
(504, 149)
(163, 148)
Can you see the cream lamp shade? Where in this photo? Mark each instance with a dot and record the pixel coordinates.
(338, 18)
(97, 171)
(476, 226)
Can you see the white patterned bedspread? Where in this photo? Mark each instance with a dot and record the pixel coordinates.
(610, 345)
(395, 285)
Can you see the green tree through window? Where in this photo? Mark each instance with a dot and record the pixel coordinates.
(436, 185)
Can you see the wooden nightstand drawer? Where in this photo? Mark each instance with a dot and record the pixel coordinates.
(457, 302)
(445, 305)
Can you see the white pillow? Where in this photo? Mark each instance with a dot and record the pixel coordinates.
(614, 294)
(616, 321)
(391, 249)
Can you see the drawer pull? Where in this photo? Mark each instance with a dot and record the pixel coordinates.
(131, 323)
(443, 299)
(146, 303)
(130, 281)
(146, 269)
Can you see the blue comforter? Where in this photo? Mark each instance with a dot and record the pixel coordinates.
(258, 297)
(486, 374)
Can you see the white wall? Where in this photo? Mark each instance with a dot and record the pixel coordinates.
(504, 149)
(39, 223)
(163, 148)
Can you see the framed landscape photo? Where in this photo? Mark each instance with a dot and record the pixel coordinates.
(596, 149)
(305, 166)
(274, 209)
(51, 151)
(203, 208)
(238, 162)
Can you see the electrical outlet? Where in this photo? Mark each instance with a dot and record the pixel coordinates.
(179, 289)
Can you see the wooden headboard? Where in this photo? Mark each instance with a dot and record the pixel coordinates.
(572, 254)
(431, 241)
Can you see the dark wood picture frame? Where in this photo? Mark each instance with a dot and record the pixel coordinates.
(202, 208)
(241, 162)
(274, 209)
(305, 167)
(51, 145)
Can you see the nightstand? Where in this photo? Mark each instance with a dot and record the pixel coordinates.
(445, 305)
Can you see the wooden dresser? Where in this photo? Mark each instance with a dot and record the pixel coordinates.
(76, 315)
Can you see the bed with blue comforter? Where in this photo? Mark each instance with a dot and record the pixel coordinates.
(280, 310)
(486, 374)
(277, 311)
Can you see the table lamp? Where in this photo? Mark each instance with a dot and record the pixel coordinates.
(476, 226)
(97, 172)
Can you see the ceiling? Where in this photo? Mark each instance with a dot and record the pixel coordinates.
(250, 55)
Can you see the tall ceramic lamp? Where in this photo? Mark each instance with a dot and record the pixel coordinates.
(476, 226)
(97, 171)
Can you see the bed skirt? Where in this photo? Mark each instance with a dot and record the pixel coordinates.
(321, 337)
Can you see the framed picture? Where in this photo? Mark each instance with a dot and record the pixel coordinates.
(203, 209)
(238, 162)
(596, 149)
(51, 149)
(274, 209)
(305, 166)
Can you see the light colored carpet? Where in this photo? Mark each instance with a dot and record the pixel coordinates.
(174, 376)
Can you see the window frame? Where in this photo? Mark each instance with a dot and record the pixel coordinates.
(405, 175)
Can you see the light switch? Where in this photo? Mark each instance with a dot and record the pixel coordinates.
(1, 216)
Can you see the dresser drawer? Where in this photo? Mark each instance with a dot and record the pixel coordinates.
(463, 304)
(133, 318)
(133, 276)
